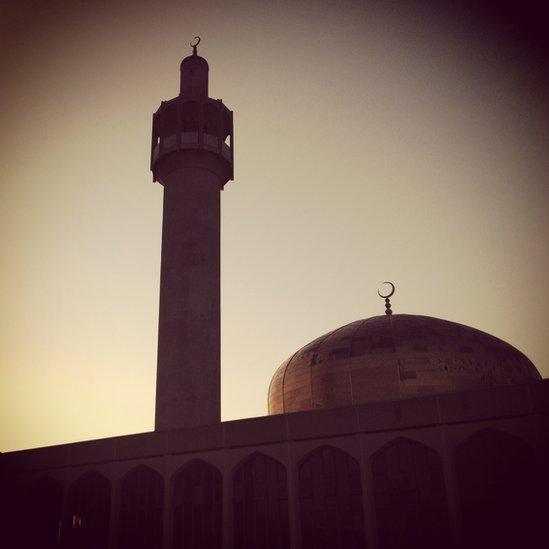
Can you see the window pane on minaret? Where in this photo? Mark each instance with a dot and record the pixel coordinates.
(260, 504)
(197, 507)
(90, 512)
(141, 509)
(410, 497)
(330, 501)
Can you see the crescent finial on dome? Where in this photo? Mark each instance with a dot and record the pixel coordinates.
(388, 310)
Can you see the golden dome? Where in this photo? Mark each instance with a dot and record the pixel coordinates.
(391, 357)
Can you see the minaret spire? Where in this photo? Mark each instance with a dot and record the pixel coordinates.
(194, 74)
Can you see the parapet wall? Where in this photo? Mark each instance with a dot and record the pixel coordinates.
(454, 408)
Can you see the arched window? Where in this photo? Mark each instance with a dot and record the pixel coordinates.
(410, 497)
(498, 491)
(226, 125)
(197, 507)
(12, 520)
(169, 119)
(90, 512)
(260, 504)
(189, 116)
(42, 515)
(330, 500)
(211, 119)
(141, 509)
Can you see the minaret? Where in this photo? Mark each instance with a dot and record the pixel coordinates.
(192, 157)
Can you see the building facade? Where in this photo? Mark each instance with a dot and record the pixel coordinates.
(392, 432)
(460, 470)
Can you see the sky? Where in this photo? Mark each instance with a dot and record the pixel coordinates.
(374, 141)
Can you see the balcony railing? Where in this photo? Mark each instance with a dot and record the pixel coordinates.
(190, 140)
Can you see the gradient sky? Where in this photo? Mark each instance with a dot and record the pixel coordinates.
(374, 141)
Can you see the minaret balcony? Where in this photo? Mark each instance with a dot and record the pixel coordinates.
(190, 140)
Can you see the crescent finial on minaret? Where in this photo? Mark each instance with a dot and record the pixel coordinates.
(388, 310)
(195, 45)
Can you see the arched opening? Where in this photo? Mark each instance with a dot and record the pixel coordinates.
(260, 504)
(410, 497)
(90, 512)
(211, 119)
(226, 135)
(189, 117)
(42, 514)
(330, 500)
(11, 512)
(498, 491)
(141, 509)
(197, 507)
(168, 121)
(227, 125)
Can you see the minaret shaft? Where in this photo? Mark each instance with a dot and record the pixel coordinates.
(188, 373)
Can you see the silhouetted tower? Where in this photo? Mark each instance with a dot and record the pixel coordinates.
(192, 157)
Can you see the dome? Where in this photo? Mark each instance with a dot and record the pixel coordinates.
(391, 357)
(194, 61)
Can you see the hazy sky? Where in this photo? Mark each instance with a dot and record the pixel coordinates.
(374, 141)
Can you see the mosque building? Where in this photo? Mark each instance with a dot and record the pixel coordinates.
(395, 431)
